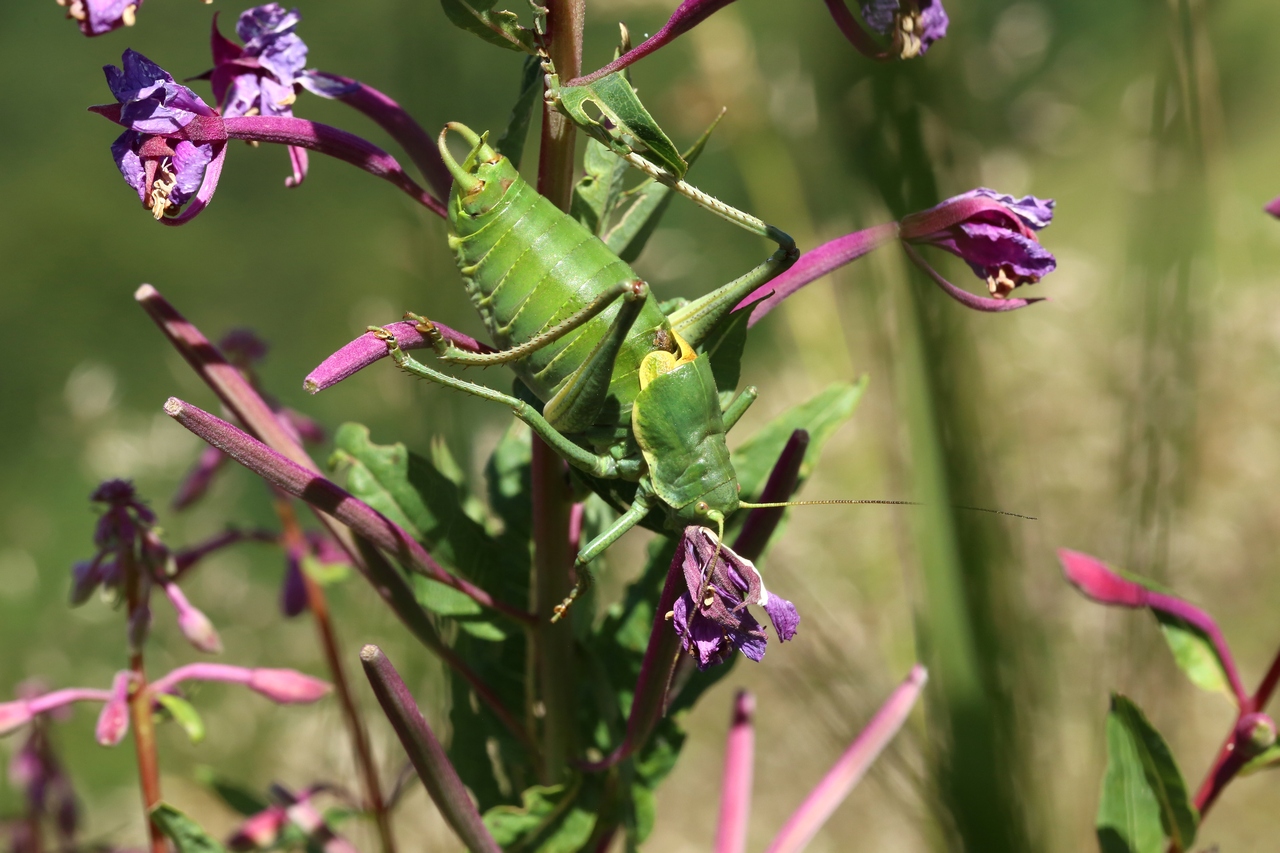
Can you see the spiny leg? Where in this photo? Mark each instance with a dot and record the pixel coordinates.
(577, 404)
(639, 509)
(597, 465)
(631, 291)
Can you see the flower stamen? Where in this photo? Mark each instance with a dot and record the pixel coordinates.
(129, 16)
(162, 188)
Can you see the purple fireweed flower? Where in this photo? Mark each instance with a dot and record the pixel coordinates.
(166, 115)
(994, 233)
(96, 17)
(912, 24)
(131, 558)
(262, 77)
(711, 616)
(165, 173)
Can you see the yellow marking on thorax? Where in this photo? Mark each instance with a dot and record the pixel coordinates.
(660, 361)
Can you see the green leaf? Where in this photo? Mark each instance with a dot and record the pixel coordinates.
(239, 798)
(187, 835)
(598, 190)
(1144, 798)
(648, 202)
(184, 714)
(1195, 655)
(423, 496)
(754, 458)
(548, 821)
(511, 143)
(610, 112)
(501, 28)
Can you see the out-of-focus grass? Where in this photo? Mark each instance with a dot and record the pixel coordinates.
(1134, 413)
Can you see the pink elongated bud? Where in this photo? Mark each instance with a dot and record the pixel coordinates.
(113, 722)
(851, 766)
(1273, 208)
(193, 624)
(369, 348)
(14, 715)
(287, 687)
(1092, 577)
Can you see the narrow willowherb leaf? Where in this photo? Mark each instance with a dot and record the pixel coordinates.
(426, 753)
(1144, 799)
(851, 767)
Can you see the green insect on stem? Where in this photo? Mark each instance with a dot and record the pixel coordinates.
(626, 396)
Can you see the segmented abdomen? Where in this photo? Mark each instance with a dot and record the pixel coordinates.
(527, 266)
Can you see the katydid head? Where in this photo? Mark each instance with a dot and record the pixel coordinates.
(482, 180)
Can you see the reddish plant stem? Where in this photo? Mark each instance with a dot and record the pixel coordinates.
(552, 502)
(1229, 761)
(144, 730)
(318, 603)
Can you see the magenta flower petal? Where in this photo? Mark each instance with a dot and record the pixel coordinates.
(988, 304)
(113, 721)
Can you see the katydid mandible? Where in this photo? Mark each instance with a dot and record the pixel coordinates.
(625, 393)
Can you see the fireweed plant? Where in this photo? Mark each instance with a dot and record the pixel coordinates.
(562, 724)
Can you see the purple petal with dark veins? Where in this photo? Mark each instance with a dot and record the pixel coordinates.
(189, 165)
(933, 23)
(243, 94)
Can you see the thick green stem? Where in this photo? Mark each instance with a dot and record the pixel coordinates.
(553, 557)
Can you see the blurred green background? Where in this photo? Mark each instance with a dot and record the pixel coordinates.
(1132, 414)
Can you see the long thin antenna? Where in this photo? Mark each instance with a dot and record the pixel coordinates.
(748, 505)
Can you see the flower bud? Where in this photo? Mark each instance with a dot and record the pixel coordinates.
(195, 626)
(287, 686)
(113, 722)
